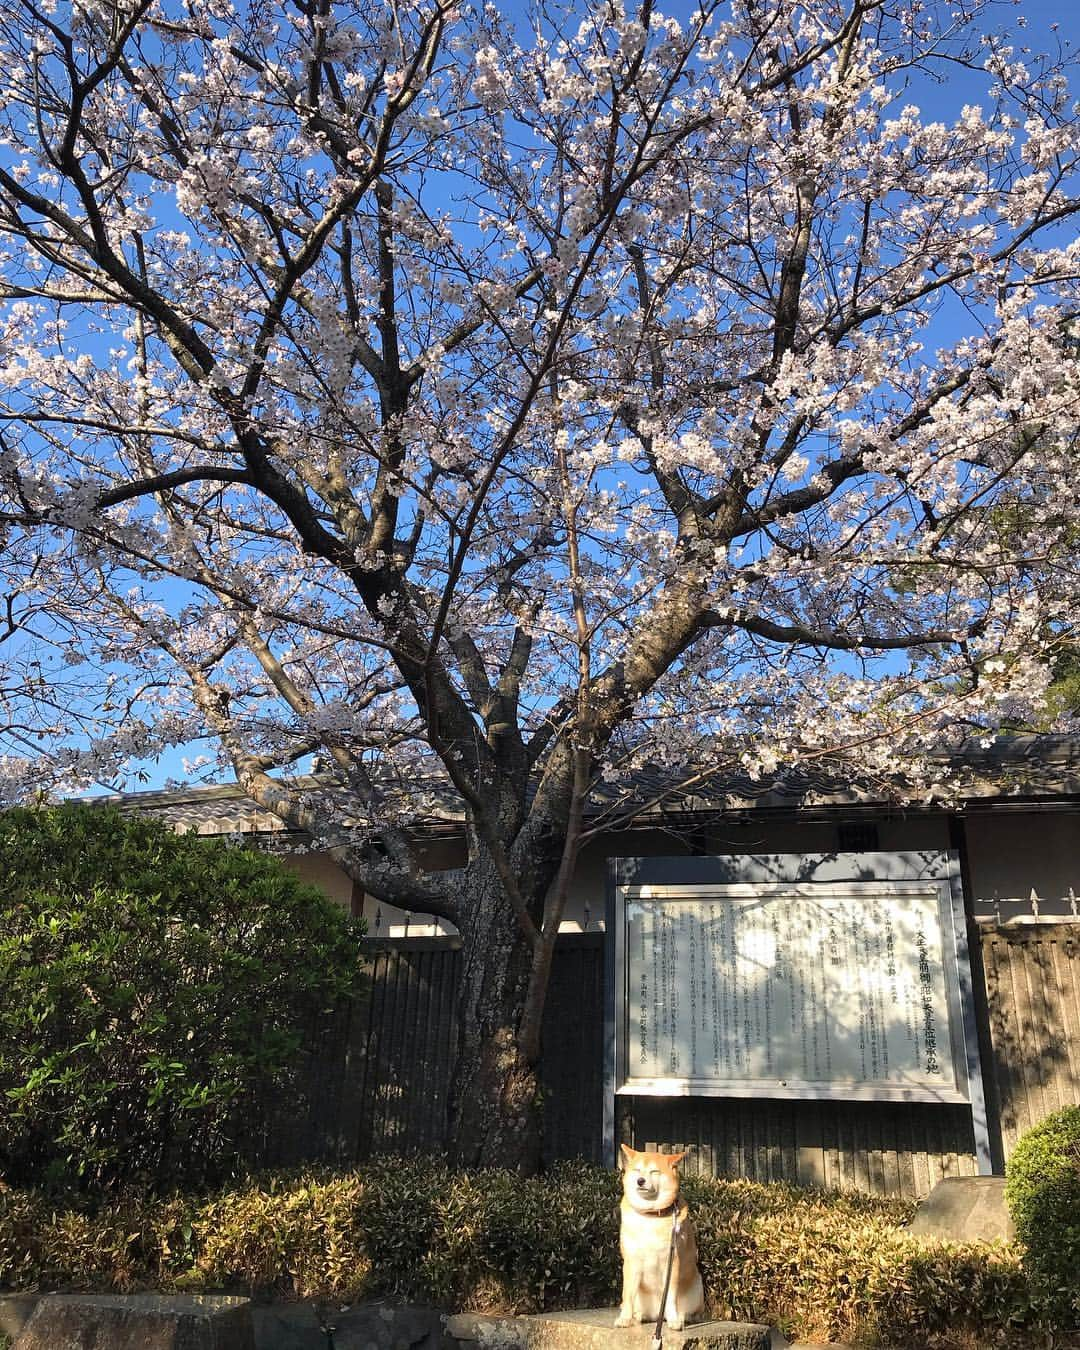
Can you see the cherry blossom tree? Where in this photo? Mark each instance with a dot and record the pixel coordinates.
(492, 405)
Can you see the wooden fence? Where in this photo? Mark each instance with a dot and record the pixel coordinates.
(376, 1076)
(886, 1148)
(1033, 996)
(376, 1073)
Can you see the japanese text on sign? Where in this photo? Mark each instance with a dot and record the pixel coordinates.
(792, 987)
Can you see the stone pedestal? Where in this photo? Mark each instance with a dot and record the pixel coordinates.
(965, 1209)
(138, 1322)
(594, 1329)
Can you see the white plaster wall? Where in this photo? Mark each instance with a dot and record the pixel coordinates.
(1008, 854)
(1012, 853)
(585, 903)
(320, 870)
(385, 920)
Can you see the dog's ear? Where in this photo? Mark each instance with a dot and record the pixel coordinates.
(628, 1153)
(676, 1158)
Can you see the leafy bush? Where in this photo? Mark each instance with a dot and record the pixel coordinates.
(819, 1266)
(491, 1238)
(1043, 1194)
(156, 988)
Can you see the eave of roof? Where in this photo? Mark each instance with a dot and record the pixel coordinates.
(1012, 772)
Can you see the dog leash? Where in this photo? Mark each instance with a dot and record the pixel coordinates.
(658, 1334)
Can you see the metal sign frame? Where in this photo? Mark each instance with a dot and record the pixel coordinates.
(886, 876)
(745, 1086)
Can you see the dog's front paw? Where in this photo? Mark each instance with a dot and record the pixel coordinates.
(677, 1322)
(626, 1319)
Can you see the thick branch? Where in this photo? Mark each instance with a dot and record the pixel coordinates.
(802, 634)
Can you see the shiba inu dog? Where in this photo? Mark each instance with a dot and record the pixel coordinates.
(650, 1206)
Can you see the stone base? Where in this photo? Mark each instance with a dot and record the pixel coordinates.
(137, 1322)
(363, 1326)
(595, 1329)
(15, 1311)
(965, 1209)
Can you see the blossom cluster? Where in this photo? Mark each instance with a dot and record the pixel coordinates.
(410, 392)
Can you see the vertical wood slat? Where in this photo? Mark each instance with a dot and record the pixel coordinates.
(425, 1121)
(935, 1149)
(448, 1038)
(351, 1075)
(906, 1176)
(1067, 987)
(376, 1009)
(573, 1051)
(409, 1070)
(890, 1157)
(324, 1109)
(999, 1002)
(832, 1145)
(1026, 982)
(1033, 994)
(382, 1030)
(875, 1152)
(1025, 963)
(868, 1146)
(788, 1150)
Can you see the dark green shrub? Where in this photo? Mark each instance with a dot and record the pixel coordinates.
(820, 1266)
(156, 989)
(1043, 1195)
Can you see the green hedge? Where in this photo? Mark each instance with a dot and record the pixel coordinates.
(156, 991)
(819, 1266)
(1043, 1193)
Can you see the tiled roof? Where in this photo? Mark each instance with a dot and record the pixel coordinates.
(224, 809)
(1017, 767)
(1013, 769)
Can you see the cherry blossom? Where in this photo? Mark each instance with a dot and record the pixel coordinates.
(492, 408)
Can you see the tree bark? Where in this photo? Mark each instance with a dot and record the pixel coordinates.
(495, 1114)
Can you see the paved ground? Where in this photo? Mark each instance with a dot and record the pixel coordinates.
(594, 1329)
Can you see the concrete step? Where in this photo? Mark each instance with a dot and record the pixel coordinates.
(137, 1322)
(594, 1329)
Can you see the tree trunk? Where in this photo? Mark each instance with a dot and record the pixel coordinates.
(494, 1096)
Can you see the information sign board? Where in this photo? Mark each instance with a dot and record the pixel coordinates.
(808, 990)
